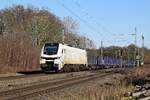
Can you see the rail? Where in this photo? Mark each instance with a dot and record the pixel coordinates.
(34, 90)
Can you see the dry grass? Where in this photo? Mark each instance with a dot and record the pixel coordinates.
(98, 92)
(137, 74)
(17, 53)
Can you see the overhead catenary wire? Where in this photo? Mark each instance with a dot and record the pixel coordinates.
(87, 15)
(98, 33)
(81, 19)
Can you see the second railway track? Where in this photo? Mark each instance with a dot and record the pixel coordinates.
(46, 87)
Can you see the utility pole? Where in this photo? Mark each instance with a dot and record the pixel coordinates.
(135, 52)
(142, 50)
(116, 54)
(128, 59)
(63, 36)
(102, 61)
(121, 52)
(135, 48)
(120, 56)
(84, 41)
(2, 26)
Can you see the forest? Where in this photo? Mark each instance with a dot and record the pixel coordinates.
(23, 31)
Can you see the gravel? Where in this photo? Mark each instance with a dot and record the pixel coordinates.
(18, 83)
(108, 80)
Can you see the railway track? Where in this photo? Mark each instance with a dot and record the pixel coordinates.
(40, 74)
(31, 75)
(46, 87)
(25, 80)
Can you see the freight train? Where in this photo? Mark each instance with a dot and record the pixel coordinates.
(61, 57)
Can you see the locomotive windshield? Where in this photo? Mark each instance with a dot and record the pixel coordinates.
(51, 48)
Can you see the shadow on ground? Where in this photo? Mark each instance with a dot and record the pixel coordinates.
(31, 72)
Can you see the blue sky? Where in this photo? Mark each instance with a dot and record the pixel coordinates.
(111, 21)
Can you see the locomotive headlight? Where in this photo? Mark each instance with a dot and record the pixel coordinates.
(42, 61)
(57, 62)
(42, 57)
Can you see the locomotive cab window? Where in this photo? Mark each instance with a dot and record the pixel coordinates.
(51, 48)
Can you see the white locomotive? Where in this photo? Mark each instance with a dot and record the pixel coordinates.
(57, 56)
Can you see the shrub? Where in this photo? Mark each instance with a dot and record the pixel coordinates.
(17, 53)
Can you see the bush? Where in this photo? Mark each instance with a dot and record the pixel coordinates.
(17, 53)
(137, 75)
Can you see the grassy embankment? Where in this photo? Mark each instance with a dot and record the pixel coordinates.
(114, 91)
